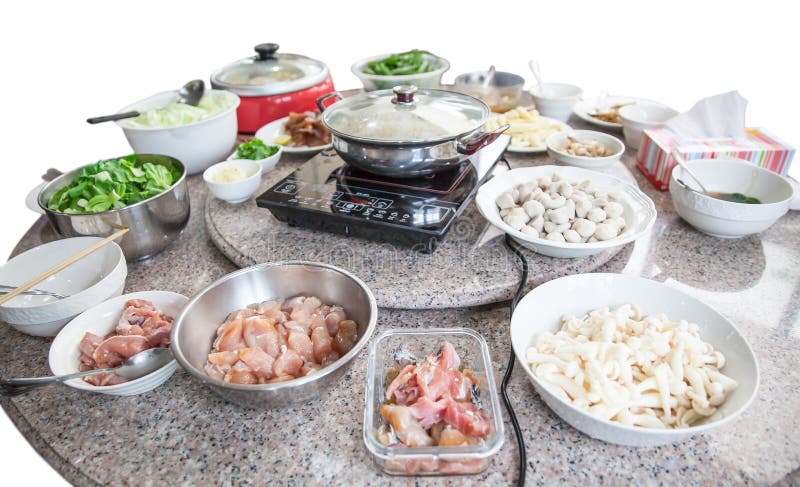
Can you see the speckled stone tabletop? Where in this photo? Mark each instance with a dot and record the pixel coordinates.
(181, 433)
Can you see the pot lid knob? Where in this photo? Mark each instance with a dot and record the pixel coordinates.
(266, 51)
(404, 94)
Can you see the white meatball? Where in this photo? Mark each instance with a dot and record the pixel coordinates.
(596, 215)
(553, 203)
(556, 237)
(565, 189)
(613, 209)
(538, 223)
(515, 194)
(559, 215)
(604, 231)
(505, 200)
(525, 191)
(601, 202)
(515, 221)
(544, 182)
(550, 227)
(582, 207)
(555, 177)
(529, 230)
(520, 212)
(617, 221)
(536, 192)
(504, 212)
(586, 185)
(570, 206)
(571, 236)
(584, 227)
(533, 208)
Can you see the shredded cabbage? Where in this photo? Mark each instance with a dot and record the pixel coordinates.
(176, 114)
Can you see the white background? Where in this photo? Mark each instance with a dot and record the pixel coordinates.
(65, 61)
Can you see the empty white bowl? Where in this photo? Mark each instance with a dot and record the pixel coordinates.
(556, 100)
(237, 191)
(640, 116)
(639, 210)
(726, 219)
(101, 320)
(541, 310)
(93, 279)
(267, 164)
(558, 141)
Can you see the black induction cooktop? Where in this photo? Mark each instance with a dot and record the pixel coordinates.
(326, 194)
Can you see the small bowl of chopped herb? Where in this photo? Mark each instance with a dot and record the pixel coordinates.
(415, 67)
(257, 151)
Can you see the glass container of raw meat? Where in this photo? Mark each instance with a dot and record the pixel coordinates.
(395, 348)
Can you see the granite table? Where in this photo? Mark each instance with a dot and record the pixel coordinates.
(181, 433)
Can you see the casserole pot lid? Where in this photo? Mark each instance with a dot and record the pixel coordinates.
(270, 73)
(405, 114)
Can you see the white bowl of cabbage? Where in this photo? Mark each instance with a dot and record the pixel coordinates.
(198, 136)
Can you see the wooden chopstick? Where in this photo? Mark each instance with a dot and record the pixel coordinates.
(63, 265)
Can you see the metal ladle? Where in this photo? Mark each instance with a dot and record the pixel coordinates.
(682, 162)
(189, 94)
(137, 366)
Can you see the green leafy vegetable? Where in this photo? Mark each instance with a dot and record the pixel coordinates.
(112, 184)
(404, 63)
(255, 150)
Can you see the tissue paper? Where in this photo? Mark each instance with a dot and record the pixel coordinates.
(715, 117)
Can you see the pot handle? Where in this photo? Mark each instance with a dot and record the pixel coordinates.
(474, 143)
(32, 199)
(321, 100)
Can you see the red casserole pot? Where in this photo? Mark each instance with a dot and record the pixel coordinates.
(272, 84)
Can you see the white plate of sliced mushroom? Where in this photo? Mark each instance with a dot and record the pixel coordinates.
(566, 211)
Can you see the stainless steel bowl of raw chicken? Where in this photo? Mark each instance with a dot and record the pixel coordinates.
(275, 334)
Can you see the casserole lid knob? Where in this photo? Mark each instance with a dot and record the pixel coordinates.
(404, 94)
(266, 51)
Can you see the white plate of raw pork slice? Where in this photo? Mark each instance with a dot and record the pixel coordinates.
(109, 333)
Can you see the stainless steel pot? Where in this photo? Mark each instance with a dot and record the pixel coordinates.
(406, 132)
(195, 329)
(153, 223)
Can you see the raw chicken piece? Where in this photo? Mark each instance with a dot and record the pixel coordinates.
(452, 437)
(333, 318)
(261, 333)
(259, 362)
(332, 357)
(88, 345)
(433, 380)
(271, 310)
(321, 342)
(290, 303)
(428, 413)
(241, 314)
(105, 379)
(230, 337)
(404, 387)
(309, 368)
(459, 386)
(115, 350)
(346, 337)
(448, 358)
(301, 343)
(223, 358)
(405, 426)
(287, 363)
(240, 373)
(303, 311)
(467, 418)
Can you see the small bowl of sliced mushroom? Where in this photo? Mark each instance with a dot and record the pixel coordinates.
(585, 148)
(566, 211)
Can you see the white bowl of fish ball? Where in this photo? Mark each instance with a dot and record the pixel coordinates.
(585, 148)
(195, 332)
(565, 304)
(102, 320)
(233, 180)
(563, 211)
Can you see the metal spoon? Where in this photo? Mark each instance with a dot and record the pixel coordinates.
(188, 94)
(31, 292)
(135, 367)
(487, 81)
(681, 162)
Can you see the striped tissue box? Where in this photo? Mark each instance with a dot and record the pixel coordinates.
(757, 146)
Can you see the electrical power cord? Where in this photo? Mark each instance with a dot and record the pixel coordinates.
(514, 246)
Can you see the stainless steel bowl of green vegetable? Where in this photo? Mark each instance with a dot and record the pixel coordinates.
(146, 193)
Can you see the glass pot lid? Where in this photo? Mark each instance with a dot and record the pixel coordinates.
(405, 114)
(270, 73)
